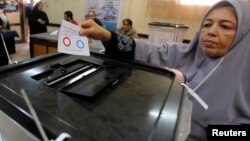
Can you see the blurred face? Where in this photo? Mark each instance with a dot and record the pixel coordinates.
(218, 31)
(66, 17)
(91, 15)
(40, 7)
(126, 27)
(32, 1)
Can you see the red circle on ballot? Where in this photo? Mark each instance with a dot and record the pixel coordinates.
(66, 41)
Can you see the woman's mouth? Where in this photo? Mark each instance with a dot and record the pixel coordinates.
(209, 43)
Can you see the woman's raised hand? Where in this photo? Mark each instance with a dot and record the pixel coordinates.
(92, 30)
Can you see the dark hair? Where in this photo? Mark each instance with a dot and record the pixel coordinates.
(129, 21)
(35, 9)
(91, 11)
(69, 14)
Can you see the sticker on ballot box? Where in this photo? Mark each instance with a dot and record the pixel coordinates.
(70, 42)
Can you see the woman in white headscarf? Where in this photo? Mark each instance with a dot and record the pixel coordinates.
(214, 64)
(4, 20)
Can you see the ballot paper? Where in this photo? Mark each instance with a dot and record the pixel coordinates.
(56, 32)
(70, 42)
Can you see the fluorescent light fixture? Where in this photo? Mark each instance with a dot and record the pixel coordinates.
(199, 2)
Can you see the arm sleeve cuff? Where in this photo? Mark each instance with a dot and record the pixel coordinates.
(120, 46)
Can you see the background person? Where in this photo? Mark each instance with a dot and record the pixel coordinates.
(127, 29)
(68, 16)
(29, 8)
(3, 55)
(5, 22)
(1, 25)
(215, 63)
(38, 19)
(91, 15)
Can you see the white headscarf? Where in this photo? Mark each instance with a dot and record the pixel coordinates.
(4, 19)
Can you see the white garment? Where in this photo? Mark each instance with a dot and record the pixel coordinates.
(4, 19)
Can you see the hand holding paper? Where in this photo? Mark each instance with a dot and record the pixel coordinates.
(70, 41)
(92, 30)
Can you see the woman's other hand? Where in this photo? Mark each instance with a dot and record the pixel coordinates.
(179, 77)
(41, 21)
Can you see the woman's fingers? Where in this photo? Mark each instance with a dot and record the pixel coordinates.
(87, 23)
(92, 30)
(179, 76)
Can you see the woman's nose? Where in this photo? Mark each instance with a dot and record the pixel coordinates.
(213, 30)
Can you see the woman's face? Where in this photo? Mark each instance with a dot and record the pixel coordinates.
(218, 31)
(126, 26)
(40, 7)
(91, 15)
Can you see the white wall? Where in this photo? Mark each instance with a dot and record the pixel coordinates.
(133, 9)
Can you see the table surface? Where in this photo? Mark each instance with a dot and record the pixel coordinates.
(10, 34)
(46, 36)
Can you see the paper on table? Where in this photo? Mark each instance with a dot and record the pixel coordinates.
(70, 41)
(56, 32)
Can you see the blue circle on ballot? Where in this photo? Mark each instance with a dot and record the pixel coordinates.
(80, 44)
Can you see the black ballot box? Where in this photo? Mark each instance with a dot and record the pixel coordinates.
(94, 98)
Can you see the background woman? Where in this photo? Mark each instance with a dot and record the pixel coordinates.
(38, 19)
(128, 29)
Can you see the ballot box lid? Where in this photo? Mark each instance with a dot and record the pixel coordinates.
(139, 102)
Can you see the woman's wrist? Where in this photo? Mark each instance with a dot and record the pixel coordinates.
(179, 76)
(107, 36)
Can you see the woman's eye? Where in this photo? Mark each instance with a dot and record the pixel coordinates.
(226, 27)
(206, 25)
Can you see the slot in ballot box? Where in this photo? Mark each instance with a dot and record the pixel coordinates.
(94, 98)
(166, 32)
